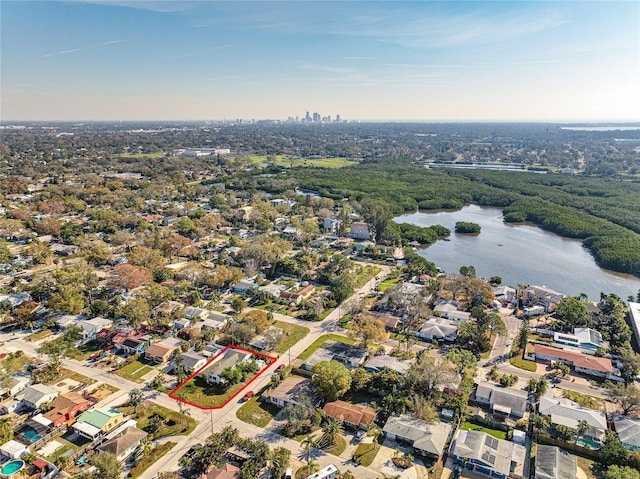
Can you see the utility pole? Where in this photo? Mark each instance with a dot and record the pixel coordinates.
(211, 410)
(289, 356)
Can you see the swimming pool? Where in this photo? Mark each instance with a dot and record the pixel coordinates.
(31, 435)
(11, 467)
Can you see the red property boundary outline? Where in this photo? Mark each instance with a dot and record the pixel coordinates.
(270, 360)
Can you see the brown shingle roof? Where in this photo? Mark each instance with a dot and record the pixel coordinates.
(351, 413)
(123, 441)
(228, 471)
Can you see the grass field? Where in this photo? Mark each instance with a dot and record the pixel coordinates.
(292, 334)
(318, 342)
(68, 374)
(467, 426)
(365, 454)
(198, 391)
(518, 361)
(282, 160)
(257, 412)
(45, 333)
(365, 275)
(134, 371)
(386, 284)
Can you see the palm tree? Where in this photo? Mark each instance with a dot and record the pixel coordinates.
(308, 443)
(312, 467)
(183, 412)
(583, 427)
(331, 431)
(375, 434)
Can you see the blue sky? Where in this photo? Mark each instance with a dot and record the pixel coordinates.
(391, 60)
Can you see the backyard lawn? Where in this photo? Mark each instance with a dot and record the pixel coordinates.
(467, 426)
(387, 283)
(320, 341)
(292, 334)
(257, 412)
(134, 371)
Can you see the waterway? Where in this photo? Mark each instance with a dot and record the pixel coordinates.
(520, 254)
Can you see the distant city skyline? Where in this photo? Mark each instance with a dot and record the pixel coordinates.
(367, 61)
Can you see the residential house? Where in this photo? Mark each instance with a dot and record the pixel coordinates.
(444, 306)
(628, 430)
(134, 345)
(359, 231)
(214, 320)
(391, 322)
(212, 349)
(192, 361)
(167, 308)
(484, 453)
(541, 295)
(182, 323)
(227, 471)
(505, 295)
(331, 224)
(65, 407)
(294, 390)
(193, 313)
(229, 359)
(568, 413)
(440, 329)
(97, 421)
(458, 316)
(381, 362)
(123, 445)
(351, 415)
(14, 385)
(583, 338)
(425, 438)
(36, 395)
(244, 287)
(502, 400)
(351, 356)
(299, 295)
(161, 351)
(634, 319)
(13, 449)
(582, 363)
(555, 463)
(91, 327)
(266, 340)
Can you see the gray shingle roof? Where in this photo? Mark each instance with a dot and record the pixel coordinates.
(554, 463)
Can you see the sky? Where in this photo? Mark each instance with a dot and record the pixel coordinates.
(390, 60)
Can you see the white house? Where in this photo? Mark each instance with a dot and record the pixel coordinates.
(36, 395)
(568, 413)
(230, 359)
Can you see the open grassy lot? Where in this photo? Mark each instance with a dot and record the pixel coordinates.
(172, 424)
(283, 160)
(257, 412)
(292, 334)
(45, 333)
(365, 275)
(68, 374)
(365, 454)
(387, 283)
(518, 361)
(318, 342)
(134, 371)
(198, 391)
(467, 426)
(146, 461)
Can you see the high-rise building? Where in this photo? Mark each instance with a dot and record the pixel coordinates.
(307, 117)
(316, 116)
(338, 118)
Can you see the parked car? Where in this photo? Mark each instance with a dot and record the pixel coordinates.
(360, 434)
(281, 367)
(248, 396)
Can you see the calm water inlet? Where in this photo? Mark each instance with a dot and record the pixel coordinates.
(520, 254)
